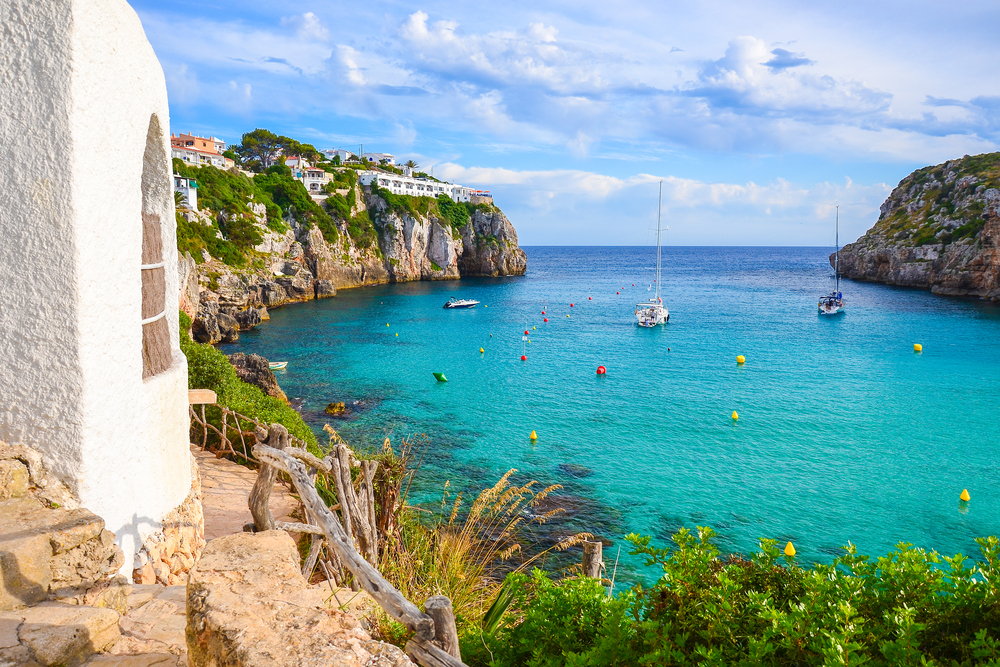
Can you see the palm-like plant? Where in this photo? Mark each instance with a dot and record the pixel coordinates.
(411, 164)
(180, 201)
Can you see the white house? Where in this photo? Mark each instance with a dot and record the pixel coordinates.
(91, 372)
(343, 154)
(189, 188)
(199, 158)
(314, 178)
(415, 187)
(378, 158)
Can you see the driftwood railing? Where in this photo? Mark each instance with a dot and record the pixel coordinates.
(435, 637)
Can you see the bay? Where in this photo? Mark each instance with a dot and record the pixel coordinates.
(844, 432)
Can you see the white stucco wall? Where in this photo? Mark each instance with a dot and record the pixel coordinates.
(80, 87)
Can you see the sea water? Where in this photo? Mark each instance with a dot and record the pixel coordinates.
(844, 432)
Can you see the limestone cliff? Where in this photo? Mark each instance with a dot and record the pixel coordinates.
(939, 230)
(400, 244)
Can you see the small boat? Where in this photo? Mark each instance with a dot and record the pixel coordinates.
(833, 303)
(653, 313)
(461, 303)
(277, 365)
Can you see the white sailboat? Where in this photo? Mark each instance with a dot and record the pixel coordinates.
(833, 303)
(653, 313)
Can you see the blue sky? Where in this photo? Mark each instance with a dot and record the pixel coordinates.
(758, 117)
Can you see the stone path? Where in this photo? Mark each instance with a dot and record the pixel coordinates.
(153, 628)
(225, 488)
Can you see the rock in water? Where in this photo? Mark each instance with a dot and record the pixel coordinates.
(248, 319)
(254, 369)
(336, 409)
(229, 328)
(939, 230)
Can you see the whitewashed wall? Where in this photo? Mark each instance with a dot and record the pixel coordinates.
(80, 91)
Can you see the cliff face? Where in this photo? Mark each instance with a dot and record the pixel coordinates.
(300, 264)
(938, 230)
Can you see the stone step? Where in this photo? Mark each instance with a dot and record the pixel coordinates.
(47, 553)
(52, 634)
(13, 479)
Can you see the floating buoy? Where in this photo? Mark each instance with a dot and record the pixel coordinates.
(740, 359)
(965, 495)
(633, 284)
(397, 335)
(668, 349)
(567, 316)
(617, 292)
(789, 549)
(590, 298)
(532, 328)
(524, 358)
(570, 305)
(525, 333)
(481, 350)
(440, 377)
(735, 415)
(601, 370)
(386, 324)
(543, 312)
(534, 436)
(917, 347)
(546, 319)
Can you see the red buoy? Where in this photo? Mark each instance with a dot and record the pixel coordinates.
(546, 319)
(633, 284)
(543, 312)
(526, 333)
(590, 298)
(617, 292)
(524, 358)
(601, 370)
(570, 305)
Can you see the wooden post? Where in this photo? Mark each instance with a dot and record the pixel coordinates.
(439, 608)
(592, 559)
(260, 494)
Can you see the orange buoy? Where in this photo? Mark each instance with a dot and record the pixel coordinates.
(524, 357)
(601, 370)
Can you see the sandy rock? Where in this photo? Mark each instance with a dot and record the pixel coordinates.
(248, 605)
(113, 594)
(25, 553)
(66, 635)
(13, 479)
(325, 289)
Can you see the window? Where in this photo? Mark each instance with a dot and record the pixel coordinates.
(156, 348)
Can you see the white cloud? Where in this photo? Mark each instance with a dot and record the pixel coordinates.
(307, 26)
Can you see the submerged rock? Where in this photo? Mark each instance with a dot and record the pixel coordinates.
(336, 409)
(575, 470)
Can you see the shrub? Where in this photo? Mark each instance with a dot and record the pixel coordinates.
(208, 368)
(910, 607)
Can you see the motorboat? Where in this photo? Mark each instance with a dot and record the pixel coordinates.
(461, 303)
(277, 365)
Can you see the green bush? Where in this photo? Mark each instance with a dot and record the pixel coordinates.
(290, 195)
(910, 607)
(208, 368)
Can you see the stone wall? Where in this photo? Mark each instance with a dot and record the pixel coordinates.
(170, 553)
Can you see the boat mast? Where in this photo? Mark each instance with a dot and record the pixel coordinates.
(659, 207)
(836, 262)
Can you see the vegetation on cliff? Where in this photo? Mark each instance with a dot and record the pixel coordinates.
(940, 204)
(208, 368)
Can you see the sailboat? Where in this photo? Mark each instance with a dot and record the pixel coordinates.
(833, 303)
(653, 313)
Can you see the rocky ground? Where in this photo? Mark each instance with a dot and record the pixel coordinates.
(301, 265)
(939, 229)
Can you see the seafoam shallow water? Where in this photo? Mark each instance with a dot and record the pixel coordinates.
(844, 432)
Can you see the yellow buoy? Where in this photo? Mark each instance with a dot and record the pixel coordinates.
(532, 328)
(735, 415)
(481, 350)
(917, 347)
(534, 436)
(386, 324)
(397, 335)
(965, 495)
(740, 359)
(789, 549)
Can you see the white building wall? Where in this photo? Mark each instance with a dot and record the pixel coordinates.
(76, 73)
(183, 186)
(415, 187)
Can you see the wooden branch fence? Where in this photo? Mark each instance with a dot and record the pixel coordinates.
(355, 532)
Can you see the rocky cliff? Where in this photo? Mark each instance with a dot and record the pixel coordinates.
(303, 263)
(938, 230)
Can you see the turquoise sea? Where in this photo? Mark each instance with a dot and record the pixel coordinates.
(844, 433)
